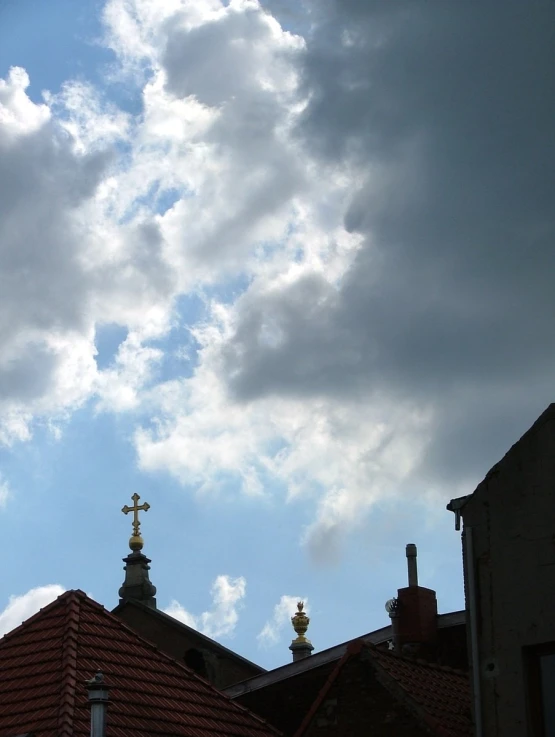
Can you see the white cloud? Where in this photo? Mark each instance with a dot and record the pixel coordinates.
(22, 607)
(320, 366)
(5, 491)
(177, 611)
(79, 221)
(66, 265)
(220, 620)
(350, 455)
(272, 631)
(18, 115)
(250, 202)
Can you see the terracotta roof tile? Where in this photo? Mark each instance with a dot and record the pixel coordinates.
(438, 696)
(46, 661)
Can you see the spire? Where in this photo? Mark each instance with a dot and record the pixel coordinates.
(137, 585)
(136, 541)
(300, 647)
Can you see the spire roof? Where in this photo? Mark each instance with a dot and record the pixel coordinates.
(47, 660)
(137, 585)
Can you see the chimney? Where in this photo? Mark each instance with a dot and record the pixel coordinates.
(98, 693)
(414, 614)
(411, 564)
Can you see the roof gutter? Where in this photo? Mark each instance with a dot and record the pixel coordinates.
(456, 506)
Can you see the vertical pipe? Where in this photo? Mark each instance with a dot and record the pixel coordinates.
(411, 564)
(471, 592)
(98, 693)
(98, 719)
(395, 635)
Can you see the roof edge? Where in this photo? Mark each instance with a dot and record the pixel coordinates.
(66, 708)
(288, 670)
(176, 622)
(78, 599)
(548, 415)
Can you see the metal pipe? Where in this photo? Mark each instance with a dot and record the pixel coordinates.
(411, 564)
(98, 693)
(468, 542)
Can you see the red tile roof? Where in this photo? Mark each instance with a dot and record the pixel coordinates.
(45, 662)
(438, 696)
(441, 695)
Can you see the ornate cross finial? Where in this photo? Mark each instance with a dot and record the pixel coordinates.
(136, 541)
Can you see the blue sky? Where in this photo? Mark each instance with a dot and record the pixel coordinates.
(240, 280)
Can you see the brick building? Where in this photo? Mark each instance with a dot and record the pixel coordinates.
(509, 571)
(408, 678)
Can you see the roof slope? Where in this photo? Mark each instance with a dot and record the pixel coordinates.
(452, 650)
(45, 662)
(441, 695)
(438, 696)
(285, 703)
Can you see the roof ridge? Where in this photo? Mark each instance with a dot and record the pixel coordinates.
(181, 666)
(47, 607)
(418, 661)
(69, 665)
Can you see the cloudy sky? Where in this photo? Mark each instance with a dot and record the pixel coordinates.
(284, 269)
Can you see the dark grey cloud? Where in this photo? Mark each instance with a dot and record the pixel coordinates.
(29, 375)
(42, 282)
(447, 110)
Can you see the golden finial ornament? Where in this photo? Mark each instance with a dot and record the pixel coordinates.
(136, 541)
(300, 623)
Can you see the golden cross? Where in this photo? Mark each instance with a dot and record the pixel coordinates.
(136, 508)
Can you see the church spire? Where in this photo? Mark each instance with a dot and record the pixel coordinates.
(300, 647)
(137, 585)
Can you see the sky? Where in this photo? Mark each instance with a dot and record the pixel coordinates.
(284, 269)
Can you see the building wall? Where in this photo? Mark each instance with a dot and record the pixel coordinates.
(357, 705)
(284, 704)
(452, 647)
(512, 516)
(220, 667)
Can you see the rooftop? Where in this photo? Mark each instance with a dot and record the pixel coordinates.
(376, 637)
(46, 661)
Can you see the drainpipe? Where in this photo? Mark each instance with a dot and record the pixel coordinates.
(98, 692)
(468, 542)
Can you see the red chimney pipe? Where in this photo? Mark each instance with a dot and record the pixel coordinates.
(414, 619)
